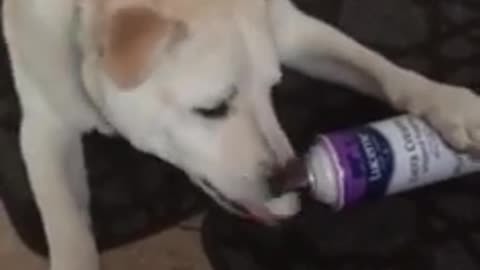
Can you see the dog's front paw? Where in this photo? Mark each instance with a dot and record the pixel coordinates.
(454, 112)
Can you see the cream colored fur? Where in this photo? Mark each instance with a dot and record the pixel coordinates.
(75, 73)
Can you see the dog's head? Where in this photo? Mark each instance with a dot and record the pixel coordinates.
(185, 91)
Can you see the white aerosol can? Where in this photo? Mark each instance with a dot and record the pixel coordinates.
(386, 157)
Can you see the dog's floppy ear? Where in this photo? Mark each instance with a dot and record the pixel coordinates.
(131, 36)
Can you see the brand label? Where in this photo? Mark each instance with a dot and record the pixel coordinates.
(366, 160)
(392, 156)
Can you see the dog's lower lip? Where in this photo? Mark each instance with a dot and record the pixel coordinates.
(250, 211)
(268, 222)
(259, 213)
(234, 205)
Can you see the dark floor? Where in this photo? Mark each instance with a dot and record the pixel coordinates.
(432, 229)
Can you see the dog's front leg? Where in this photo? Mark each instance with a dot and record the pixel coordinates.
(54, 115)
(53, 157)
(319, 50)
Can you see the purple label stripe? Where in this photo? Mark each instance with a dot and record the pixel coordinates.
(347, 150)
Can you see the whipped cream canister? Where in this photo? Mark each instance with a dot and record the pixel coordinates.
(368, 162)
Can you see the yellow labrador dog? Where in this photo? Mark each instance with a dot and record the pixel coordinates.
(188, 81)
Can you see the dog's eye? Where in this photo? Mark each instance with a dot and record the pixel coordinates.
(219, 111)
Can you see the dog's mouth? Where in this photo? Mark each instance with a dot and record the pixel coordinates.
(267, 213)
(274, 211)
